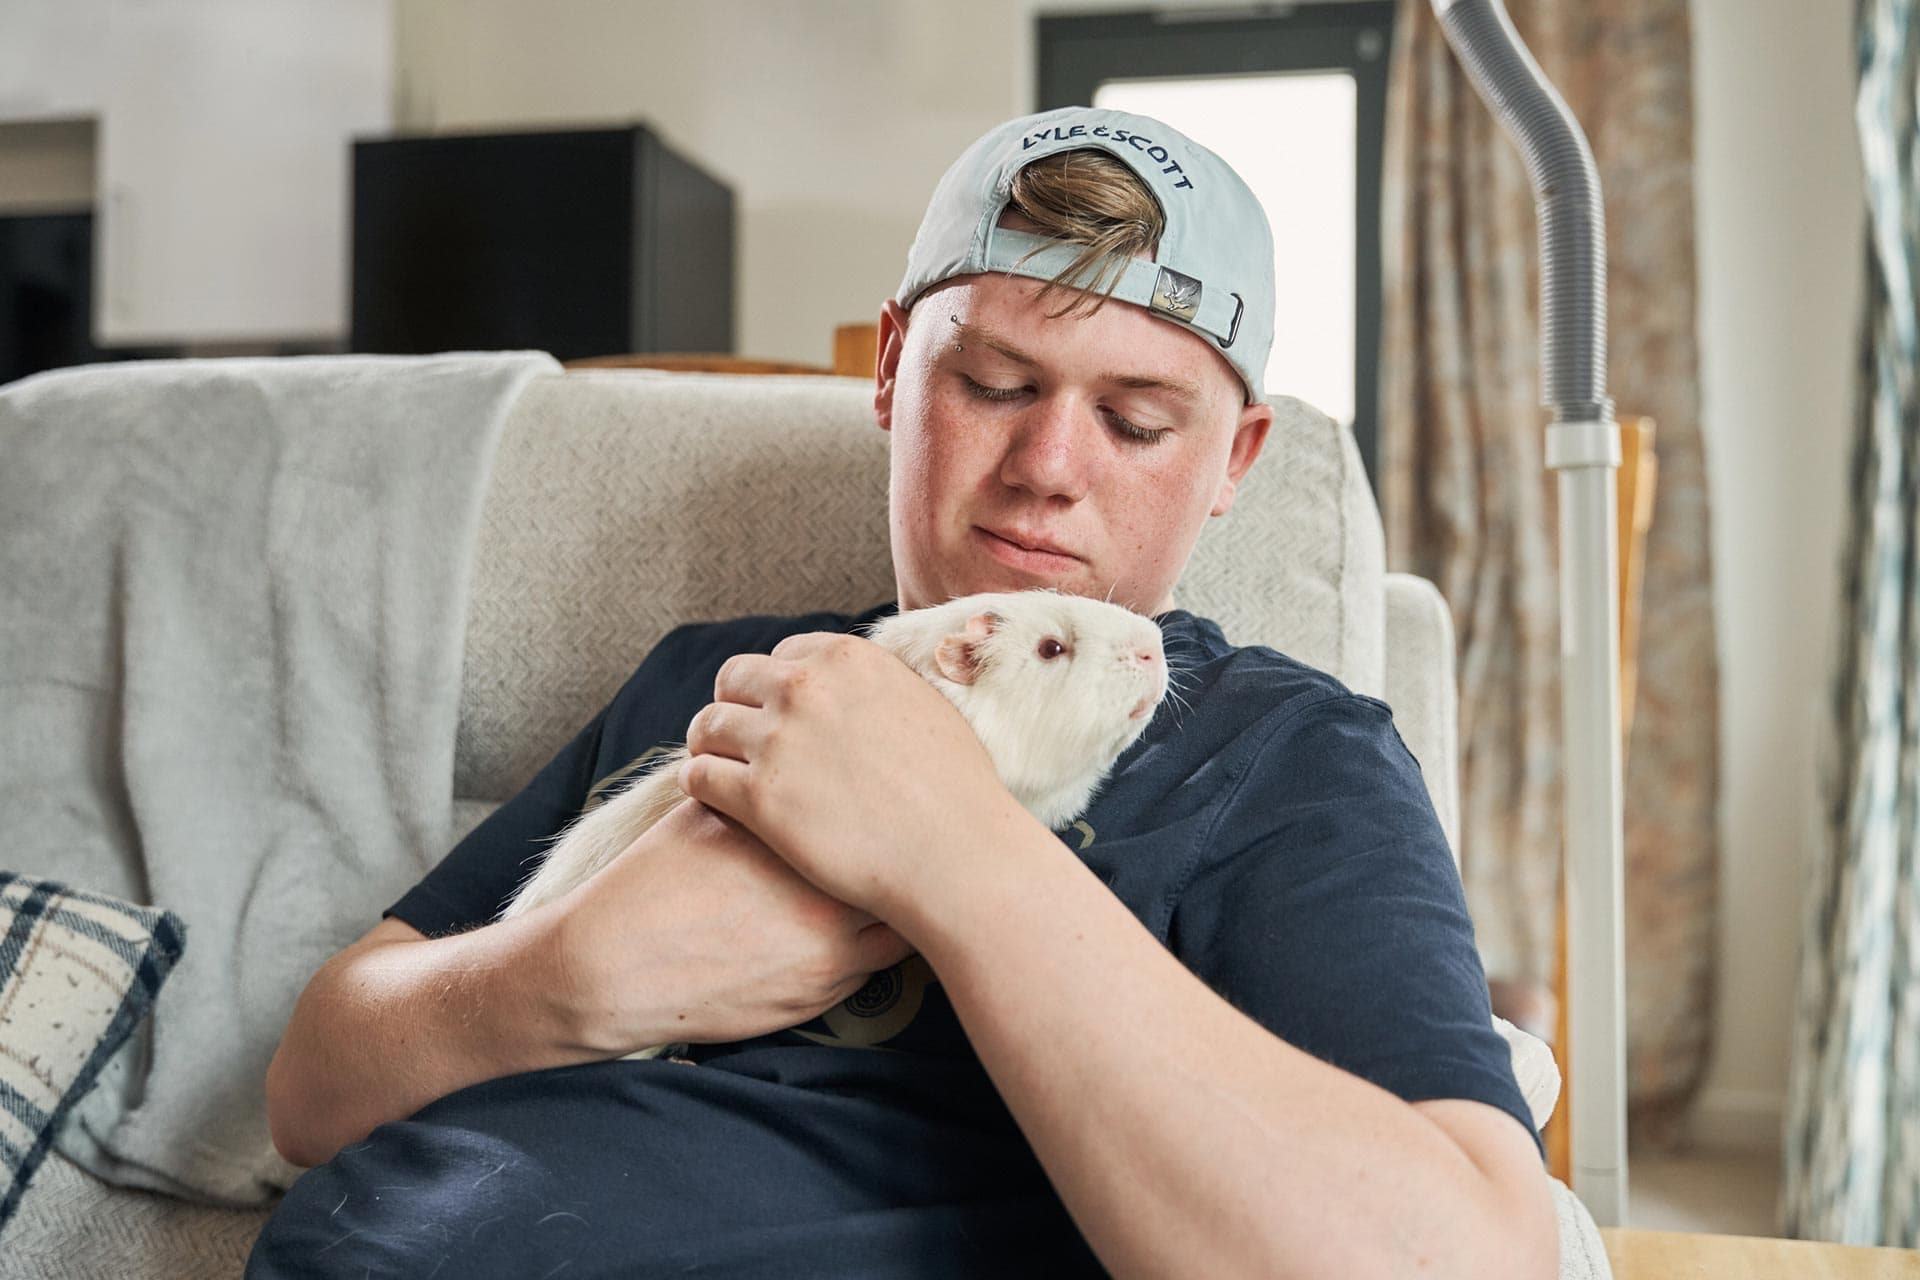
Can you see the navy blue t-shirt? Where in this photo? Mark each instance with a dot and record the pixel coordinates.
(1270, 828)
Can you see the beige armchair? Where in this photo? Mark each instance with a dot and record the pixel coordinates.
(623, 503)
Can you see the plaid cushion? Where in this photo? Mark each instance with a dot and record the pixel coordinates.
(77, 973)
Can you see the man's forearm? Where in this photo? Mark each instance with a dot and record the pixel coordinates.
(1185, 1138)
(383, 1030)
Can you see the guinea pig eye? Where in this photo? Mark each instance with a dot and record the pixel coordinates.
(1051, 649)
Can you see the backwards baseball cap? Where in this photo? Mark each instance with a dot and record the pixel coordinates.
(1213, 267)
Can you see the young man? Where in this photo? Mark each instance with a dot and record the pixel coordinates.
(1243, 1032)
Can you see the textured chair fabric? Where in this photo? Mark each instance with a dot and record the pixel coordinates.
(1419, 688)
(72, 1226)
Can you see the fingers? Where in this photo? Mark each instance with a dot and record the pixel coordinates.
(720, 784)
(807, 642)
(755, 678)
(725, 729)
(746, 678)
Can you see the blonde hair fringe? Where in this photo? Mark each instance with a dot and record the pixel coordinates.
(1090, 199)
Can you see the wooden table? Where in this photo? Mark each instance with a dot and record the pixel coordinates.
(1684, 1255)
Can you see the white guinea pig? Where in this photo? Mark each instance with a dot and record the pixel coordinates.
(1056, 686)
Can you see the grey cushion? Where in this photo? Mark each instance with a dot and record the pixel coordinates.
(1420, 688)
(1583, 1255)
(625, 503)
(73, 1226)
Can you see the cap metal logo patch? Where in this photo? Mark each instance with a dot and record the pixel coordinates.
(1176, 295)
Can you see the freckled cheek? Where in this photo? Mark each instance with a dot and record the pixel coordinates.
(909, 490)
(1152, 520)
(955, 457)
(924, 495)
(1159, 517)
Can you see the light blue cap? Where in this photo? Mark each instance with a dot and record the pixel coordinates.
(1213, 268)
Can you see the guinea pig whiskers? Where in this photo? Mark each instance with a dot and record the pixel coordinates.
(1176, 662)
(1176, 690)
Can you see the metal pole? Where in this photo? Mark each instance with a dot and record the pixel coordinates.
(1585, 456)
(1583, 447)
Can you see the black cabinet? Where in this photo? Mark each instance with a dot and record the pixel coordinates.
(580, 243)
(46, 292)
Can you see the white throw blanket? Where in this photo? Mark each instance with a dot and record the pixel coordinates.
(232, 608)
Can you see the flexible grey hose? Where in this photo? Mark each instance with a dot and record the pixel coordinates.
(1566, 186)
(1582, 448)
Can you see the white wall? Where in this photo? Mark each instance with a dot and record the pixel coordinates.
(833, 119)
(1780, 212)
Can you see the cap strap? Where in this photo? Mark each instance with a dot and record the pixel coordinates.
(1157, 288)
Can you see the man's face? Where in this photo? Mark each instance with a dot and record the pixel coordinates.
(1082, 453)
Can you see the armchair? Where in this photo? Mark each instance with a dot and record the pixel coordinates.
(622, 503)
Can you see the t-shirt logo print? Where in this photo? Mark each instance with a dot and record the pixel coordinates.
(879, 1011)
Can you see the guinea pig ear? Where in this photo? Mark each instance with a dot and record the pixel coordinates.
(958, 656)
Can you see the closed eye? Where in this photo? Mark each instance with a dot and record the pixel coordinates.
(1126, 429)
(1131, 432)
(982, 392)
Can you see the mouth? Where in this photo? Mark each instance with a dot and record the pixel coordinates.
(1146, 706)
(1022, 552)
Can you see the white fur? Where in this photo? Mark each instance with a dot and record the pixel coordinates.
(1052, 727)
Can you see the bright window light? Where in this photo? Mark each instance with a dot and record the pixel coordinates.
(1292, 137)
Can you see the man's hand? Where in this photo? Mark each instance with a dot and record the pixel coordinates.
(847, 763)
(698, 932)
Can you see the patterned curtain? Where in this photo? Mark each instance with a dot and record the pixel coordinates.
(1468, 502)
(1853, 1107)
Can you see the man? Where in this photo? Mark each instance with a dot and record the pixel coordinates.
(1244, 1032)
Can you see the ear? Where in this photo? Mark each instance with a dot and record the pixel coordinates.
(1249, 437)
(958, 656)
(887, 347)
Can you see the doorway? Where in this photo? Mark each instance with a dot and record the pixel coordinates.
(1295, 100)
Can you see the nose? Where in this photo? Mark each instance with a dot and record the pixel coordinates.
(1048, 454)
